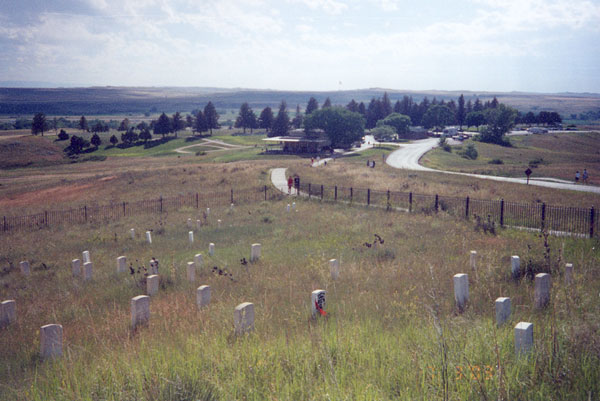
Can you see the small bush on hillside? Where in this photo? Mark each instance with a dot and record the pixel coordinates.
(470, 152)
(496, 161)
(62, 135)
(487, 226)
(534, 163)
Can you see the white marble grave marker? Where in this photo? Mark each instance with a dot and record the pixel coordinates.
(515, 266)
(523, 337)
(148, 237)
(132, 233)
(76, 267)
(86, 257)
(334, 268)
(25, 270)
(8, 312)
(121, 264)
(87, 271)
(51, 341)
(191, 237)
(461, 290)
(140, 310)
(152, 284)
(219, 223)
(203, 296)
(293, 205)
(153, 266)
(569, 273)
(255, 252)
(207, 211)
(189, 223)
(198, 224)
(243, 317)
(211, 249)
(473, 260)
(191, 271)
(317, 302)
(287, 208)
(542, 290)
(198, 261)
(231, 207)
(502, 310)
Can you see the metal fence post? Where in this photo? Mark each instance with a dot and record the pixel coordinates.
(388, 200)
(197, 204)
(265, 192)
(467, 208)
(335, 196)
(436, 203)
(502, 213)
(410, 202)
(46, 218)
(368, 196)
(4, 225)
(309, 190)
(321, 191)
(123, 209)
(350, 194)
(85, 212)
(543, 215)
(161, 204)
(231, 195)
(591, 222)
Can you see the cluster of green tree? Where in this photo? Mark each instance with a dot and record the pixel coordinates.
(588, 115)
(544, 117)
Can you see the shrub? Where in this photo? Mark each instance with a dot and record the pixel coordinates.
(534, 163)
(444, 145)
(496, 161)
(470, 152)
(62, 135)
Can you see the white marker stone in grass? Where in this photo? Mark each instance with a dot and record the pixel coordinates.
(317, 302)
(152, 284)
(76, 267)
(203, 296)
(86, 257)
(8, 312)
(461, 290)
(189, 223)
(569, 273)
(132, 233)
(523, 337)
(140, 310)
(231, 207)
(255, 252)
(207, 211)
(198, 224)
(191, 271)
(243, 318)
(149, 237)
(473, 260)
(121, 264)
(219, 223)
(153, 267)
(51, 341)
(87, 271)
(25, 270)
(334, 268)
(542, 290)
(502, 310)
(287, 208)
(198, 261)
(294, 206)
(211, 249)
(515, 266)
(191, 237)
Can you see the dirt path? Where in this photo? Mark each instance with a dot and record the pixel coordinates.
(219, 145)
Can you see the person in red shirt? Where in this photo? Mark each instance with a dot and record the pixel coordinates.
(290, 183)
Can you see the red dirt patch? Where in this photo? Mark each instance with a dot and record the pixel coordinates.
(49, 195)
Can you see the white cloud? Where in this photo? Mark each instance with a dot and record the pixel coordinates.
(331, 7)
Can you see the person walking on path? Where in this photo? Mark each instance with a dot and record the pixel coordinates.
(585, 176)
(576, 176)
(290, 183)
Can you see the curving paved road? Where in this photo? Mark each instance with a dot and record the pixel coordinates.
(408, 156)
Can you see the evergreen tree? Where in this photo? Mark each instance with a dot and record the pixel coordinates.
(469, 107)
(327, 103)
(96, 141)
(461, 113)
(114, 140)
(477, 106)
(398, 107)
(245, 117)
(39, 124)
(386, 105)
(162, 126)
(124, 126)
(362, 109)
(177, 123)
(494, 103)
(200, 124)
(83, 124)
(145, 135)
(352, 106)
(266, 119)
(438, 116)
(212, 117)
(281, 125)
(311, 106)
(298, 119)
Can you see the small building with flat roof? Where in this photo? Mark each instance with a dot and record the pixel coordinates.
(298, 141)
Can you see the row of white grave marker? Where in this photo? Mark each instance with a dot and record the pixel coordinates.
(292, 207)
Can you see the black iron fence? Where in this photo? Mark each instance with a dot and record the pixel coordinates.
(556, 219)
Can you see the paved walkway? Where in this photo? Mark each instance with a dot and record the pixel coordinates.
(279, 180)
(218, 145)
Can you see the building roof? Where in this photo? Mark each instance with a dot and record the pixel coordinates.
(292, 139)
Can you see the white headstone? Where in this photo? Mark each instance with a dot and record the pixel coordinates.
(542, 290)
(203, 296)
(219, 223)
(334, 268)
(189, 223)
(293, 205)
(207, 211)
(148, 237)
(317, 302)
(121, 264)
(515, 266)
(76, 267)
(461, 290)
(254, 252)
(191, 271)
(191, 237)
(152, 284)
(86, 257)
(140, 310)
(211, 249)
(8, 312)
(51, 341)
(287, 208)
(198, 224)
(132, 233)
(243, 317)
(25, 270)
(153, 267)
(87, 271)
(569, 273)
(523, 337)
(473, 260)
(198, 261)
(231, 207)
(502, 310)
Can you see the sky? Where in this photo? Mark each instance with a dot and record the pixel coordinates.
(481, 45)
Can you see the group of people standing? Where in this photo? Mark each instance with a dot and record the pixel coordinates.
(584, 177)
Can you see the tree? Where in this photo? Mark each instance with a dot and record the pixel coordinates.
(266, 119)
(142, 126)
(129, 137)
(62, 135)
(386, 105)
(83, 124)
(461, 113)
(298, 119)
(384, 132)
(114, 140)
(499, 121)
(200, 124)
(352, 106)
(475, 119)
(162, 125)
(362, 109)
(96, 141)
(341, 126)
(39, 124)
(77, 144)
(374, 113)
(477, 106)
(399, 122)
(437, 116)
(177, 123)
(327, 103)
(311, 106)
(212, 117)
(145, 135)
(245, 118)
(281, 125)
(124, 126)
(494, 103)
(529, 118)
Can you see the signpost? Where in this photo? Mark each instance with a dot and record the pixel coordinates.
(528, 173)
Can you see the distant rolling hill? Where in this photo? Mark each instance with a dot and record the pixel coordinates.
(122, 100)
